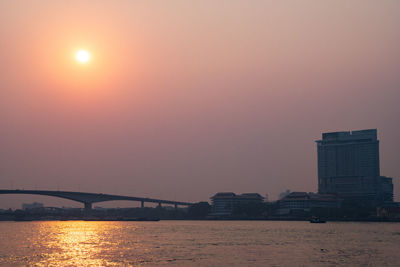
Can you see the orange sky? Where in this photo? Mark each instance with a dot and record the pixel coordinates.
(184, 99)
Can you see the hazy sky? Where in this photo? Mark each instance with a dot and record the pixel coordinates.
(183, 99)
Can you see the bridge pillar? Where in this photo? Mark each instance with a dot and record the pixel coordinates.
(88, 206)
(176, 206)
(159, 204)
(142, 204)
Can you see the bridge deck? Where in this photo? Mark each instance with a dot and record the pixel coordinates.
(89, 198)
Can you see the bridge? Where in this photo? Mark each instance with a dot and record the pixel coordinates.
(89, 198)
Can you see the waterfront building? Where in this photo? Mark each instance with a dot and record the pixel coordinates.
(348, 165)
(389, 211)
(34, 205)
(297, 203)
(223, 203)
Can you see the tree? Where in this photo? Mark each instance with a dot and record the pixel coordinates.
(249, 209)
(199, 210)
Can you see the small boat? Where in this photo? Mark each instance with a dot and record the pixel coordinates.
(316, 220)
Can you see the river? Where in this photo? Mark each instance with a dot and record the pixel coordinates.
(199, 243)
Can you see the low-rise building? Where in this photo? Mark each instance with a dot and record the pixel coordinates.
(391, 211)
(303, 202)
(223, 203)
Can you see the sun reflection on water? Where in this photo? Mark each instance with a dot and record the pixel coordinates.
(74, 243)
(80, 243)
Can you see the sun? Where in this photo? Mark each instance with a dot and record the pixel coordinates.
(82, 56)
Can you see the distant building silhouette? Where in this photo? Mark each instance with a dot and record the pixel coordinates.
(348, 165)
(34, 205)
(223, 203)
(284, 194)
(298, 203)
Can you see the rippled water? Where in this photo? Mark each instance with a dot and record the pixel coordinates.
(201, 243)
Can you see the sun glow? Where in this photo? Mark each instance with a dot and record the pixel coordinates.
(82, 56)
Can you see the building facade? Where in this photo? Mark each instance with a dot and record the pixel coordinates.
(348, 165)
(223, 203)
(297, 203)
